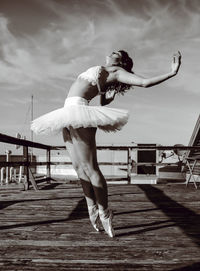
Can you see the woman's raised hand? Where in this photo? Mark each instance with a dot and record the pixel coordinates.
(176, 62)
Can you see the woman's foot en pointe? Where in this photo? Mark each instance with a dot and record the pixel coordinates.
(94, 216)
(106, 217)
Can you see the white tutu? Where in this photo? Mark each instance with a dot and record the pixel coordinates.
(77, 113)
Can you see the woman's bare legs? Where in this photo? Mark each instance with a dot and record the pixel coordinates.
(85, 181)
(84, 145)
(82, 149)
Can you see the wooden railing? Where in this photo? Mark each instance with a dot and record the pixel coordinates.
(29, 178)
(29, 144)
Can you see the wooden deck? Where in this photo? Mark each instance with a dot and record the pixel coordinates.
(157, 228)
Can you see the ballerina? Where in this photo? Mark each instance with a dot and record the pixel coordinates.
(78, 121)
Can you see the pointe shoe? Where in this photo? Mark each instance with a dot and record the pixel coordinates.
(106, 217)
(94, 216)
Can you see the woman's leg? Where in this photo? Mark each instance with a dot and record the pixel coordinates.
(84, 145)
(85, 181)
(85, 148)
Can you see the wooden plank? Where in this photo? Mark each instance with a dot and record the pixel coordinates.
(12, 186)
(157, 228)
(32, 179)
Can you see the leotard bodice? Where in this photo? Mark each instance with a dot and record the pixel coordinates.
(91, 75)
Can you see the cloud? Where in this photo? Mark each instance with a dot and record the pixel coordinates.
(51, 55)
(79, 36)
(45, 44)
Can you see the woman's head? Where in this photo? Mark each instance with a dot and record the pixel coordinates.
(126, 61)
(122, 59)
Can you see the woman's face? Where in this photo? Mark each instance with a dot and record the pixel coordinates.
(114, 58)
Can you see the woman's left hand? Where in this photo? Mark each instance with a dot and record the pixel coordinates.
(110, 94)
(176, 62)
(107, 97)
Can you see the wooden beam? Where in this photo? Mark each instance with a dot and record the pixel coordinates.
(32, 180)
(22, 142)
(129, 166)
(48, 154)
(124, 148)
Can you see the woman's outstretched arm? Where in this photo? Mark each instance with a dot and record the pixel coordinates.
(136, 80)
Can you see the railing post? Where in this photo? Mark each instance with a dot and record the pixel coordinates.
(48, 154)
(26, 158)
(129, 165)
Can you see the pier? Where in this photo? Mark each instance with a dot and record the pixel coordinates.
(156, 226)
(45, 226)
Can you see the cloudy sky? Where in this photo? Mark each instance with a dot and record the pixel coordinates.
(45, 44)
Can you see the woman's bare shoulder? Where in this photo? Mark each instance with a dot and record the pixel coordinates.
(109, 74)
(111, 69)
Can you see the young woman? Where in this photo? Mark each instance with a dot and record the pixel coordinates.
(79, 123)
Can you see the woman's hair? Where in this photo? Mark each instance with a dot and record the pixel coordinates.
(126, 61)
(127, 64)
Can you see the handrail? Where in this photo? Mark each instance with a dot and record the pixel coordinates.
(26, 163)
(23, 163)
(26, 143)
(141, 147)
(22, 142)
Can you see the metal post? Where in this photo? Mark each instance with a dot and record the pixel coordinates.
(15, 174)
(7, 168)
(31, 130)
(129, 165)
(2, 174)
(48, 155)
(20, 173)
(11, 174)
(31, 117)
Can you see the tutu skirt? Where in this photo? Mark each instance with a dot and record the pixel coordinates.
(77, 113)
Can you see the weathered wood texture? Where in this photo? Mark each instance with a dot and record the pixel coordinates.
(157, 228)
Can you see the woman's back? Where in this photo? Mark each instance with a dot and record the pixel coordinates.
(89, 83)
